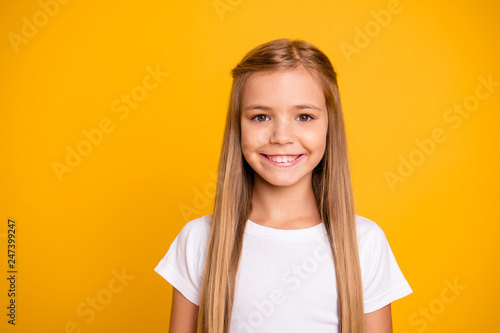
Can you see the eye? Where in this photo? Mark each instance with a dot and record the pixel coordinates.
(260, 117)
(305, 117)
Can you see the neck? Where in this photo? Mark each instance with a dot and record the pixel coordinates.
(284, 207)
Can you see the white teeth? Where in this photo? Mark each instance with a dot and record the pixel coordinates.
(282, 159)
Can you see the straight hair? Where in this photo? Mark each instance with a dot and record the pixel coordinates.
(331, 182)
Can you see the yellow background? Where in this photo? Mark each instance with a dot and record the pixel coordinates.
(123, 205)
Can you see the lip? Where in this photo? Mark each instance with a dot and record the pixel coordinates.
(284, 164)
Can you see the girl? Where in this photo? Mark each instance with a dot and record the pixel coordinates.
(283, 250)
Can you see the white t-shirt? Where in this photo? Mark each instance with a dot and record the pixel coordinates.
(286, 278)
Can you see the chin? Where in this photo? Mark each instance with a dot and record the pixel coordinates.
(281, 182)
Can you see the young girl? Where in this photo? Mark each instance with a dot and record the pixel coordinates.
(283, 250)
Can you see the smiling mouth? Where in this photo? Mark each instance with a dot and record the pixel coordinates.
(282, 158)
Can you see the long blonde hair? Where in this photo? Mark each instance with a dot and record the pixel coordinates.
(331, 183)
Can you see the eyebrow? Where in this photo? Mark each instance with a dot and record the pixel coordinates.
(267, 108)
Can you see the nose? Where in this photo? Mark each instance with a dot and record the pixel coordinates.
(282, 132)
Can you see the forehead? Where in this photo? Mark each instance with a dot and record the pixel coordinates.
(282, 87)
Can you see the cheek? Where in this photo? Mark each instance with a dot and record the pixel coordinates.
(252, 138)
(245, 142)
(316, 140)
(321, 148)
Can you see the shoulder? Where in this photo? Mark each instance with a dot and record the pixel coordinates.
(184, 262)
(374, 250)
(383, 281)
(369, 233)
(190, 245)
(198, 225)
(197, 230)
(366, 228)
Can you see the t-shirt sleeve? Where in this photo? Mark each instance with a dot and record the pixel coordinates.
(383, 281)
(184, 262)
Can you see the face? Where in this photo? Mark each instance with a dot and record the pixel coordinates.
(284, 124)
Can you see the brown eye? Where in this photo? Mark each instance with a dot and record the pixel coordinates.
(305, 117)
(260, 117)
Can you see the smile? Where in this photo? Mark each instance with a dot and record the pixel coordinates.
(283, 160)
